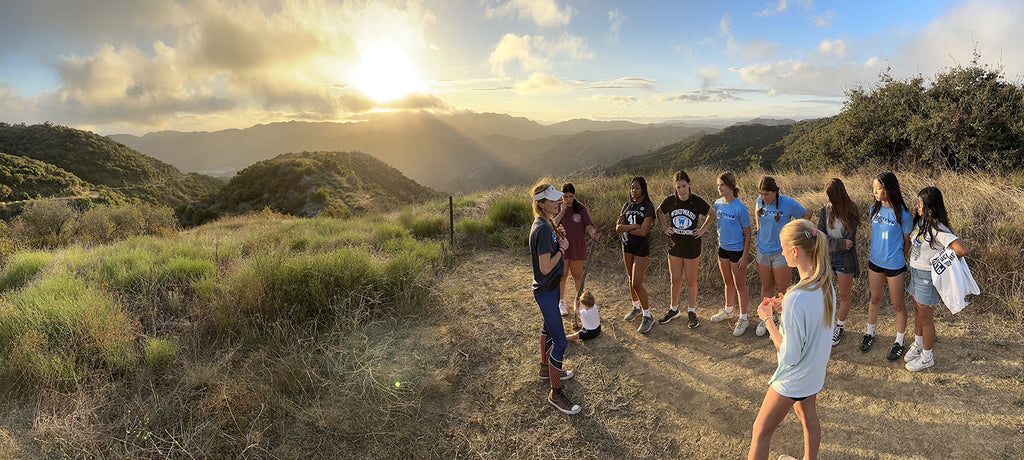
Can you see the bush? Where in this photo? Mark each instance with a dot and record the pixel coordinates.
(509, 212)
(48, 223)
(159, 353)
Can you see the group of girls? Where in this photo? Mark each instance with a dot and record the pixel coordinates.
(824, 255)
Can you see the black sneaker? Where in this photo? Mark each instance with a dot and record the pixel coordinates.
(895, 353)
(865, 344)
(692, 323)
(671, 315)
(837, 335)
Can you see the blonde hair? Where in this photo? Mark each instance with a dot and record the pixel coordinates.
(587, 299)
(539, 187)
(801, 233)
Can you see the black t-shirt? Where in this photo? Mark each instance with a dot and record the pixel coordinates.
(683, 218)
(544, 241)
(635, 214)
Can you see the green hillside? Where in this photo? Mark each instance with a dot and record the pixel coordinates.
(99, 162)
(24, 178)
(736, 147)
(308, 183)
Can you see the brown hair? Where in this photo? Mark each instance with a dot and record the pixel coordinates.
(729, 179)
(587, 299)
(842, 206)
(801, 233)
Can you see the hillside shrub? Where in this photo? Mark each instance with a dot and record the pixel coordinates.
(509, 212)
(47, 223)
(423, 225)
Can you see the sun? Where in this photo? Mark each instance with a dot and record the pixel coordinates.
(386, 73)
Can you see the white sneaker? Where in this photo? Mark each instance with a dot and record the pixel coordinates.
(741, 327)
(723, 315)
(913, 353)
(761, 330)
(920, 363)
(562, 308)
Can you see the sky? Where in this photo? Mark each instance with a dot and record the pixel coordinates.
(135, 66)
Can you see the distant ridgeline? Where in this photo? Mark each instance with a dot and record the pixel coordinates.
(47, 160)
(966, 118)
(307, 184)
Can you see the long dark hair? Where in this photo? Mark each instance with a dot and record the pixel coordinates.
(768, 184)
(643, 187)
(842, 206)
(679, 176)
(568, 188)
(933, 213)
(892, 191)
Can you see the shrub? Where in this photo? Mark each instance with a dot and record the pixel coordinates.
(48, 223)
(509, 212)
(159, 353)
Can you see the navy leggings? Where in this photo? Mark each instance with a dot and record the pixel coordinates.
(548, 302)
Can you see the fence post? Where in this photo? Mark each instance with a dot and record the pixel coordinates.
(451, 224)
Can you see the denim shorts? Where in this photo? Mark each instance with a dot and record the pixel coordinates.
(773, 261)
(838, 262)
(921, 287)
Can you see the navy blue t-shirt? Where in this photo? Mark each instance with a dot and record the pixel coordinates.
(544, 241)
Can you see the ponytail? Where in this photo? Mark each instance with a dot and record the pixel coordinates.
(803, 234)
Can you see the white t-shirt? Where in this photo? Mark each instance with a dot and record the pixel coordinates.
(922, 252)
(806, 344)
(589, 317)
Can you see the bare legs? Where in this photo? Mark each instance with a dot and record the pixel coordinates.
(677, 266)
(897, 294)
(735, 283)
(773, 410)
(636, 267)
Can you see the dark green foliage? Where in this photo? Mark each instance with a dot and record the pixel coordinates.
(736, 148)
(24, 178)
(338, 184)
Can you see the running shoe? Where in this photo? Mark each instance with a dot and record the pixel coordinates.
(723, 315)
(671, 315)
(761, 329)
(632, 314)
(920, 363)
(837, 335)
(692, 323)
(646, 324)
(913, 353)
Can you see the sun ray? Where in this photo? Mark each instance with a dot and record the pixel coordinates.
(386, 73)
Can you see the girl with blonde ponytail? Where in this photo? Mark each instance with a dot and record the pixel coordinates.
(804, 341)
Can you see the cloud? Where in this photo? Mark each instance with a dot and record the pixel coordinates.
(781, 6)
(536, 52)
(545, 13)
(618, 101)
(794, 76)
(622, 83)
(825, 19)
(540, 83)
(706, 95)
(755, 49)
(709, 76)
(834, 48)
(615, 20)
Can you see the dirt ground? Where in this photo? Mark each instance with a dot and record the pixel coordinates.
(694, 393)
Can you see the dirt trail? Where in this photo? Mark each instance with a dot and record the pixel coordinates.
(682, 393)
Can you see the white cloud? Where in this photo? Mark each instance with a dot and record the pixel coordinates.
(618, 101)
(709, 76)
(833, 48)
(623, 83)
(793, 76)
(540, 83)
(615, 20)
(536, 52)
(783, 5)
(705, 95)
(545, 13)
(825, 19)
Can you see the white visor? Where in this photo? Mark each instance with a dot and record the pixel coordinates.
(548, 194)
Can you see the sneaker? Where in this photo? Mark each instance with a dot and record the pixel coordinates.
(671, 315)
(895, 353)
(723, 315)
(761, 330)
(545, 373)
(562, 308)
(692, 323)
(741, 327)
(865, 344)
(632, 314)
(557, 399)
(837, 335)
(920, 363)
(913, 353)
(787, 457)
(646, 324)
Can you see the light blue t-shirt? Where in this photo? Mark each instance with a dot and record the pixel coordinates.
(887, 238)
(768, 228)
(806, 344)
(732, 218)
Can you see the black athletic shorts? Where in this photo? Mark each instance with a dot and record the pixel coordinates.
(686, 251)
(888, 273)
(639, 251)
(733, 256)
(587, 334)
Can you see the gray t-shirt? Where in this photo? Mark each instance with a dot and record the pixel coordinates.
(544, 241)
